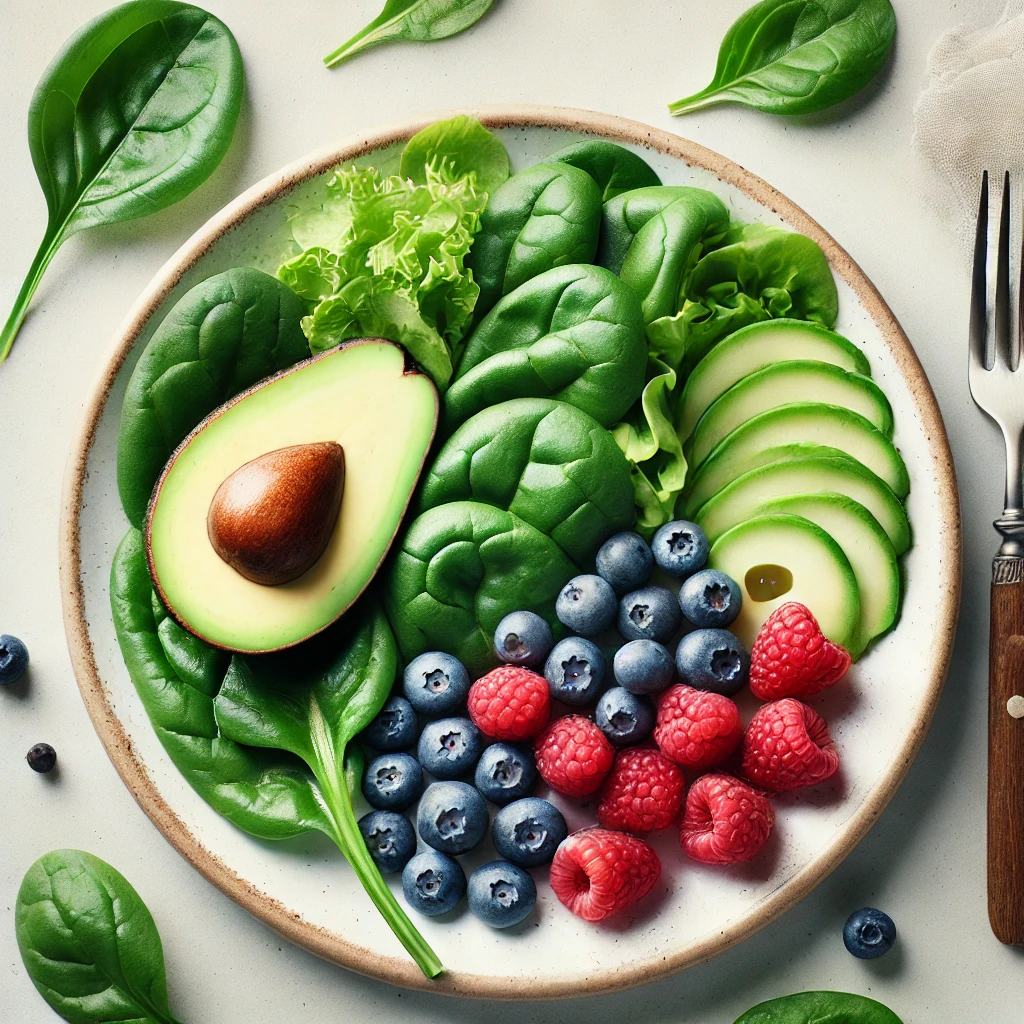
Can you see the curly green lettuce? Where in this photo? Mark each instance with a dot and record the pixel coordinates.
(391, 263)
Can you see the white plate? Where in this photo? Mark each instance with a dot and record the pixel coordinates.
(303, 888)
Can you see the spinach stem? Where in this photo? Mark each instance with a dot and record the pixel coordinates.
(350, 841)
(348, 49)
(51, 242)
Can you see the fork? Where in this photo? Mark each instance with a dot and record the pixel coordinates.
(997, 387)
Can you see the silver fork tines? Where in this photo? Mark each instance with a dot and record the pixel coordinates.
(996, 385)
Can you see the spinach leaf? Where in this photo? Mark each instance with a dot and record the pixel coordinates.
(421, 21)
(462, 567)
(614, 168)
(819, 1007)
(464, 146)
(220, 337)
(89, 943)
(271, 793)
(625, 214)
(546, 462)
(574, 334)
(798, 56)
(133, 114)
(546, 216)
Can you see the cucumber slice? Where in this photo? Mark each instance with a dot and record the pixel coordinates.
(755, 347)
(809, 474)
(801, 380)
(804, 562)
(868, 549)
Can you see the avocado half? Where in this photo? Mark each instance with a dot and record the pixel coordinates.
(363, 396)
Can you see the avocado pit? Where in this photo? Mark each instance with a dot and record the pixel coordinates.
(273, 517)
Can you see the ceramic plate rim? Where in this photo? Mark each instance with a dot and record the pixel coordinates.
(330, 945)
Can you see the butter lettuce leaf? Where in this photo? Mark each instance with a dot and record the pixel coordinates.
(393, 265)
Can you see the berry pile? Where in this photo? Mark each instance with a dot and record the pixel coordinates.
(652, 739)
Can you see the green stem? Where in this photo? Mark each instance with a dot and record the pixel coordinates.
(350, 842)
(349, 49)
(50, 244)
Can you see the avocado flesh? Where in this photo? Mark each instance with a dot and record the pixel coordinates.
(820, 424)
(808, 474)
(360, 396)
(783, 384)
(822, 577)
(868, 550)
(753, 348)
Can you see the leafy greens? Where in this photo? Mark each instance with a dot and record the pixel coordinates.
(132, 115)
(798, 56)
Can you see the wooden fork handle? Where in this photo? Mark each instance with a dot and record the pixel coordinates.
(1006, 751)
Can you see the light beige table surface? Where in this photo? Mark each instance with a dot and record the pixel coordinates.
(853, 170)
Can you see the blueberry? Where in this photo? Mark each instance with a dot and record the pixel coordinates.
(713, 659)
(42, 758)
(586, 605)
(505, 773)
(680, 548)
(624, 717)
(710, 598)
(500, 894)
(13, 659)
(625, 561)
(575, 671)
(523, 638)
(392, 782)
(452, 817)
(528, 831)
(643, 666)
(436, 683)
(449, 747)
(651, 613)
(869, 933)
(433, 883)
(389, 837)
(395, 728)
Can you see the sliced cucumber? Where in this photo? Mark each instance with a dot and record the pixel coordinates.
(822, 424)
(780, 558)
(753, 348)
(801, 380)
(808, 474)
(868, 549)
(717, 471)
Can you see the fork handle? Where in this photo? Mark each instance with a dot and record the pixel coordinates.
(1006, 751)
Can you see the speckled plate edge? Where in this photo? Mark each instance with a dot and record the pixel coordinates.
(330, 945)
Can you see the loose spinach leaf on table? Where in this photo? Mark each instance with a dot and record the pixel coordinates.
(463, 145)
(89, 943)
(420, 21)
(798, 56)
(133, 114)
(819, 1007)
(614, 168)
(245, 752)
(219, 338)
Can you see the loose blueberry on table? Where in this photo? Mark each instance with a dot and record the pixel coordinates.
(393, 782)
(586, 605)
(523, 638)
(500, 894)
(42, 758)
(505, 773)
(449, 747)
(435, 683)
(433, 883)
(575, 671)
(869, 933)
(528, 831)
(13, 659)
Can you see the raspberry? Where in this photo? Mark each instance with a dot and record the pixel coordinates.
(787, 745)
(573, 755)
(791, 657)
(725, 821)
(510, 703)
(643, 793)
(597, 873)
(697, 728)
